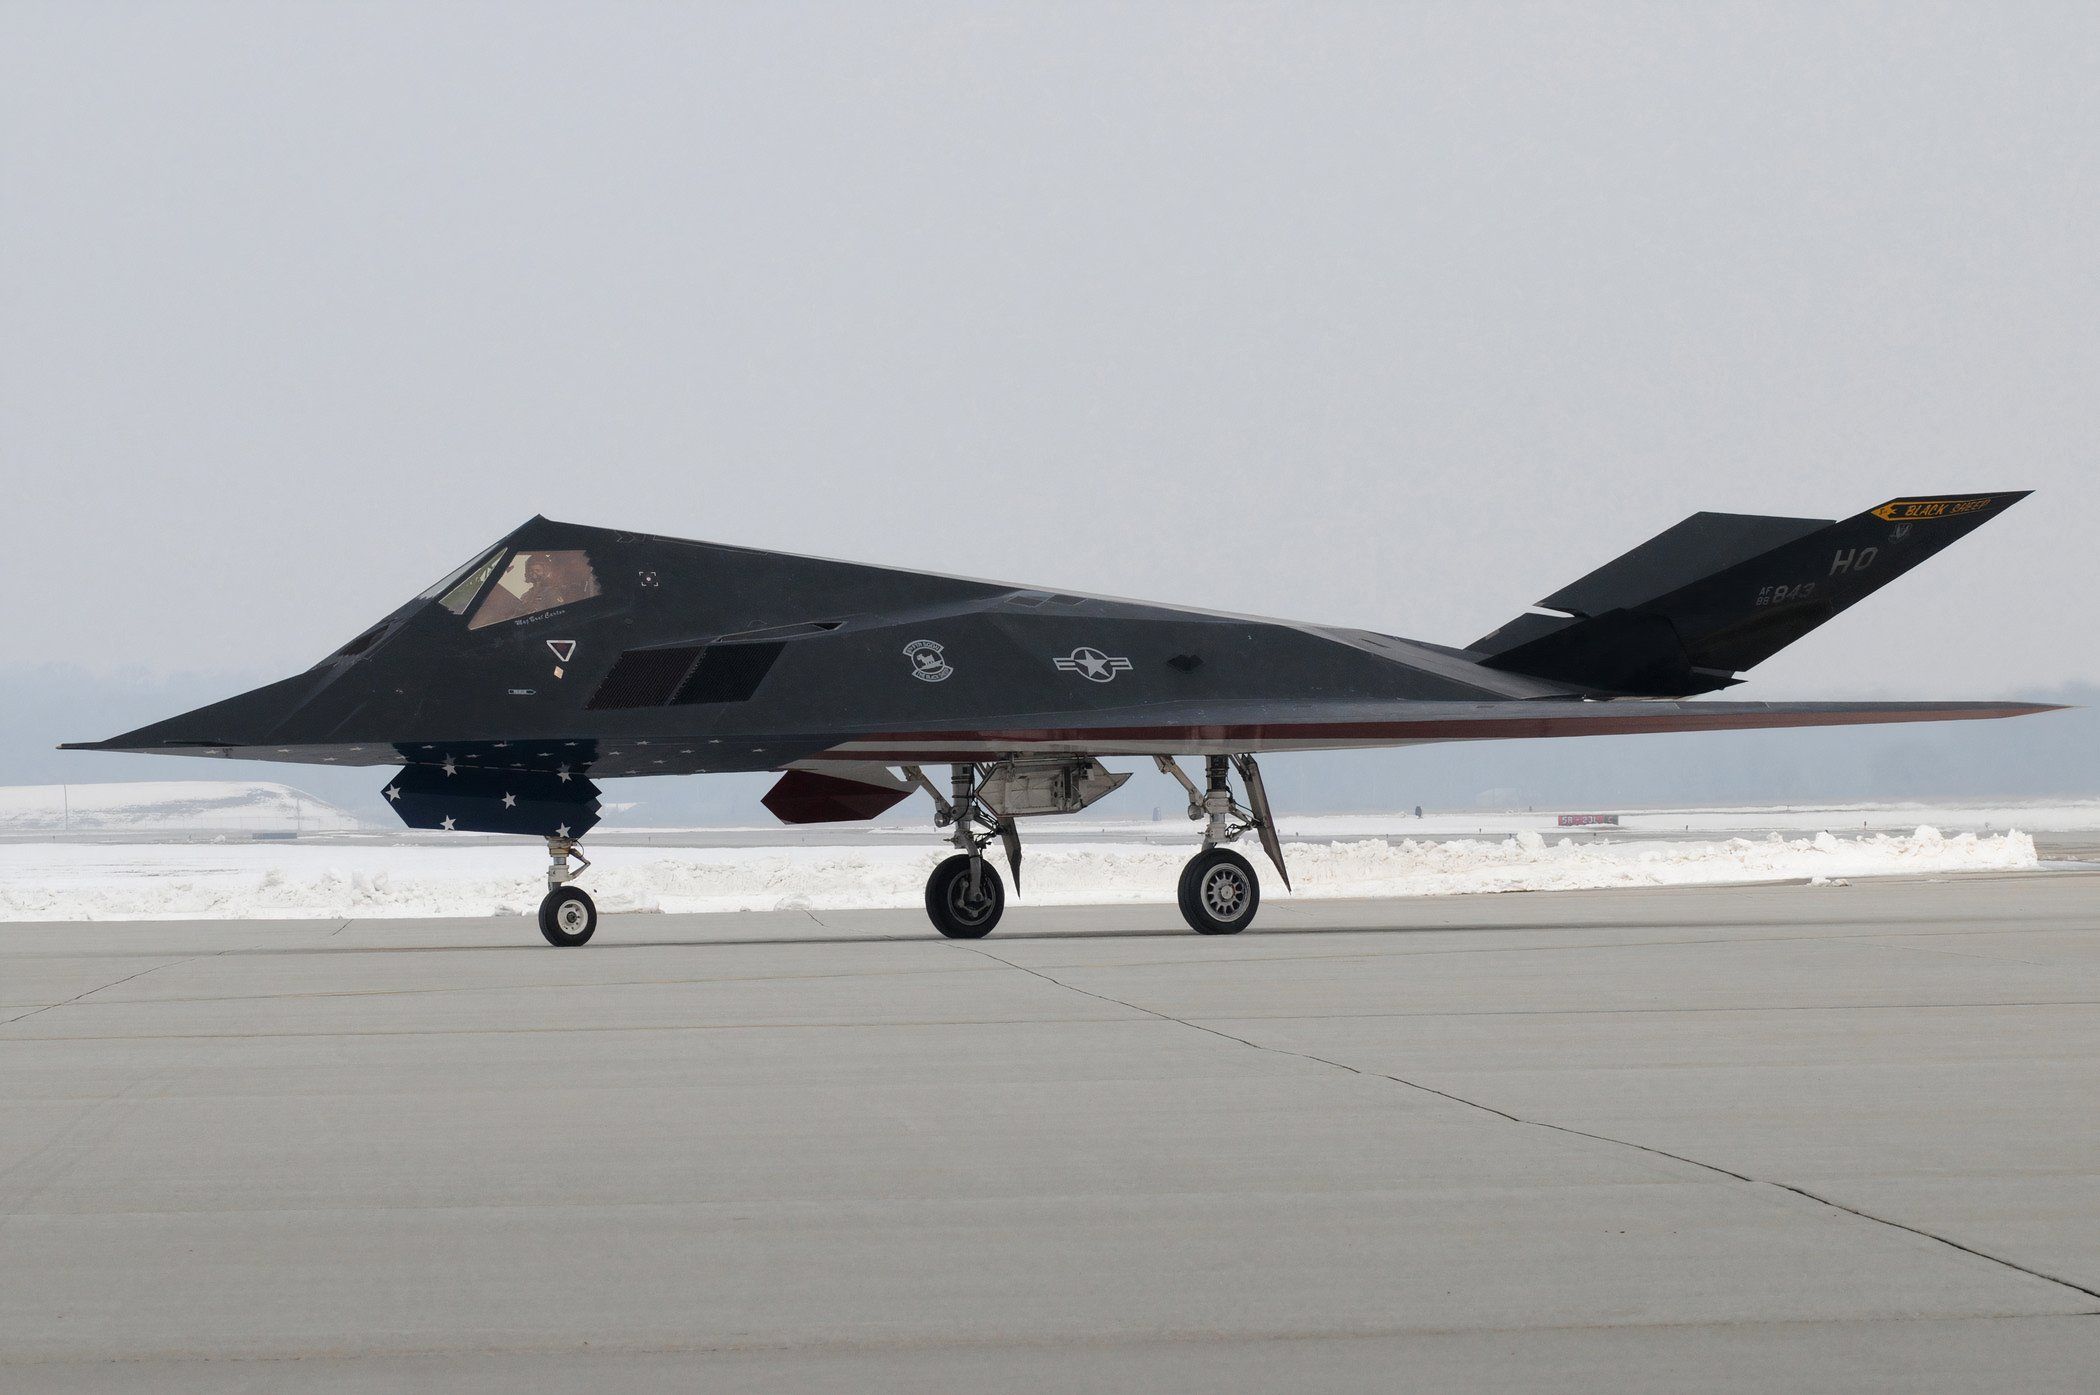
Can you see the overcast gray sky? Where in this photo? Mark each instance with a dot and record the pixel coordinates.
(1392, 315)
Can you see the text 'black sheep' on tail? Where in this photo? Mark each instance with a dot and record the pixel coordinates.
(1697, 604)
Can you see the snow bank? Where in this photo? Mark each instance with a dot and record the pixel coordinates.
(1794, 820)
(168, 806)
(245, 881)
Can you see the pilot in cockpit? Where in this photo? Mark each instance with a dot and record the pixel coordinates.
(556, 578)
(537, 581)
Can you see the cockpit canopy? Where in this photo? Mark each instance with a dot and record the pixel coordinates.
(528, 582)
(535, 581)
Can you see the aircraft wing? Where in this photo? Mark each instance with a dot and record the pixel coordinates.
(1263, 726)
(1184, 729)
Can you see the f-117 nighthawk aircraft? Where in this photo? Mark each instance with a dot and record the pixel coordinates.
(566, 654)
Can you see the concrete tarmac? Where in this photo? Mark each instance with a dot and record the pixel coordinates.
(1742, 1138)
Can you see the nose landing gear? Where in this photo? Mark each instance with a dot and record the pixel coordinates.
(568, 916)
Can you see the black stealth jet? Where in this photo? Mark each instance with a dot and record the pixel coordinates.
(568, 653)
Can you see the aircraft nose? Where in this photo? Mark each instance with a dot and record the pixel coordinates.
(253, 718)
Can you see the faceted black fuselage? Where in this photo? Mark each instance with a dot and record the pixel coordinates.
(666, 656)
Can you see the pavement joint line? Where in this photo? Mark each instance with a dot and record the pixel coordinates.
(326, 993)
(991, 1022)
(265, 951)
(1110, 1341)
(1562, 1128)
(801, 1026)
(1869, 942)
(618, 1349)
(1930, 1235)
(1540, 949)
(1658, 1011)
(152, 968)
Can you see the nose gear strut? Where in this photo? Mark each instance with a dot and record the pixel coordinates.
(568, 916)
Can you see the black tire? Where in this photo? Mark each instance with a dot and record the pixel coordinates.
(1219, 892)
(948, 903)
(1181, 892)
(568, 916)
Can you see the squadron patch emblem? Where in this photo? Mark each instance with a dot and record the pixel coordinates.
(927, 662)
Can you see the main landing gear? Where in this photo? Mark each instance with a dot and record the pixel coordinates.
(963, 907)
(568, 916)
(1219, 892)
(964, 896)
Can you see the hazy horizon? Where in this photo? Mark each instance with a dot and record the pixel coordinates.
(1398, 317)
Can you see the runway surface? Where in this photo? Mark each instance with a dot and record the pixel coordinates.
(1794, 1137)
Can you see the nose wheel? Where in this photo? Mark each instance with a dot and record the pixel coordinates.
(568, 916)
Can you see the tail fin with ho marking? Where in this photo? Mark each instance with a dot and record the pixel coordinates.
(1697, 604)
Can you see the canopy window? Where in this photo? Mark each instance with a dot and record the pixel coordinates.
(536, 581)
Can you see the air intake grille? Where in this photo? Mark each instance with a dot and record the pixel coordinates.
(643, 678)
(729, 672)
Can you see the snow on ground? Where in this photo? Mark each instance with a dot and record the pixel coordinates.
(2058, 817)
(142, 881)
(167, 806)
